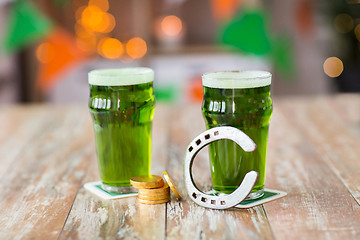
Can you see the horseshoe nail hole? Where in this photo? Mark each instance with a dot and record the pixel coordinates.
(207, 136)
(203, 199)
(216, 133)
(190, 148)
(194, 195)
(198, 142)
(213, 202)
(222, 202)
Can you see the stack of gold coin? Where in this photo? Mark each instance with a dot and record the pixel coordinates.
(154, 195)
(151, 188)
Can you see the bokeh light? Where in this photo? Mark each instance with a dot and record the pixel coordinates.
(44, 52)
(102, 4)
(87, 45)
(85, 40)
(92, 17)
(96, 20)
(357, 32)
(80, 31)
(136, 47)
(333, 67)
(92, 21)
(343, 23)
(75, 5)
(78, 13)
(110, 48)
(171, 25)
(107, 23)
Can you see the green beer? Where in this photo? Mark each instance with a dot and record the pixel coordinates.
(122, 105)
(241, 100)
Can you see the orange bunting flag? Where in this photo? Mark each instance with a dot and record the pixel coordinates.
(196, 90)
(304, 17)
(224, 9)
(57, 54)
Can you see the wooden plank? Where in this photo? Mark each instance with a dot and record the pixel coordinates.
(39, 187)
(19, 124)
(335, 129)
(347, 108)
(92, 217)
(185, 219)
(48, 153)
(318, 205)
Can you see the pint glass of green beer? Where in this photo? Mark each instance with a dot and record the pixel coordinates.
(121, 105)
(239, 99)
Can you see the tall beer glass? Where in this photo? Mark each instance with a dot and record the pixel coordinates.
(239, 99)
(122, 105)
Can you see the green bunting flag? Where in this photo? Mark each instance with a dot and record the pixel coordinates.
(247, 31)
(25, 25)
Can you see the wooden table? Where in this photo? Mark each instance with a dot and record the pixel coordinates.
(47, 154)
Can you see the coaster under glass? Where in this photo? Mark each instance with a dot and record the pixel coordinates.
(255, 195)
(115, 189)
(251, 196)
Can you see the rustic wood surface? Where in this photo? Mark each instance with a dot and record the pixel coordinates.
(48, 153)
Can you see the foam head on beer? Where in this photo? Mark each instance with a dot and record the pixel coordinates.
(236, 79)
(121, 76)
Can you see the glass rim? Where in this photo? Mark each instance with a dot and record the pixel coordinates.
(121, 76)
(236, 79)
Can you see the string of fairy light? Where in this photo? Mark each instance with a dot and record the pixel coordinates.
(343, 24)
(93, 28)
(94, 23)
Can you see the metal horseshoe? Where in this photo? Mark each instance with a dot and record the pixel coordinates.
(225, 201)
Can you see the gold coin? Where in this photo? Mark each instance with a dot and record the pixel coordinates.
(147, 181)
(155, 191)
(154, 196)
(172, 185)
(154, 201)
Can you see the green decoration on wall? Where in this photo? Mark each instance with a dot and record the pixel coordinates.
(166, 93)
(283, 56)
(248, 32)
(25, 25)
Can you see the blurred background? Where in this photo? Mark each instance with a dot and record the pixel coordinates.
(47, 47)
